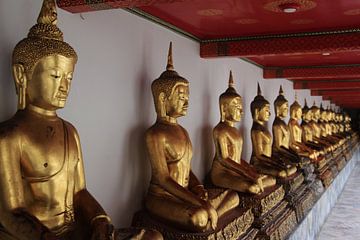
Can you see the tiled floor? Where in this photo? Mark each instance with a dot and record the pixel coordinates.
(344, 220)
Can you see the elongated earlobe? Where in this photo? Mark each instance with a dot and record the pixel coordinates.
(21, 84)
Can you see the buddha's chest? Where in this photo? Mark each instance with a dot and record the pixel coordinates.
(178, 147)
(47, 150)
(234, 144)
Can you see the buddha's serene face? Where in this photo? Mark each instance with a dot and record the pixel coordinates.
(297, 113)
(307, 116)
(264, 113)
(178, 102)
(323, 115)
(49, 84)
(315, 114)
(233, 109)
(283, 110)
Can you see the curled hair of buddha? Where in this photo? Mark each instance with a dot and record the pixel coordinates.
(295, 106)
(44, 39)
(258, 103)
(280, 99)
(167, 80)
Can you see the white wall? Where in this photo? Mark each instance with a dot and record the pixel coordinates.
(111, 104)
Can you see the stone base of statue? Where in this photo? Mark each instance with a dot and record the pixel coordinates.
(317, 188)
(236, 224)
(292, 182)
(263, 203)
(340, 162)
(301, 200)
(308, 172)
(277, 224)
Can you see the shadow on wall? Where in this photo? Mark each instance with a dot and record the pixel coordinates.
(207, 148)
(135, 166)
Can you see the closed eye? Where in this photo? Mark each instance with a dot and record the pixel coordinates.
(55, 76)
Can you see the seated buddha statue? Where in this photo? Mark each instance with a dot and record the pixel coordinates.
(281, 131)
(41, 175)
(43, 194)
(314, 123)
(261, 140)
(175, 194)
(228, 169)
(326, 131)
(296, 133)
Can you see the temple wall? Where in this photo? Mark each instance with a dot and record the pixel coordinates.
(111, 104)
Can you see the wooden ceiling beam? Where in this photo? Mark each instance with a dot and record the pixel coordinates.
(314, 73)
(329, 85)
(79, 6)
(281, 45)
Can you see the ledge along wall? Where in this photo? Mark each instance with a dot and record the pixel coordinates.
(110, 102)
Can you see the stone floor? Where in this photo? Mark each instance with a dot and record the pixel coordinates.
(344, 219)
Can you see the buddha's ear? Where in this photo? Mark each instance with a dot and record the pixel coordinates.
(256, 113)
(21, 84)
(19, 75)
(162, 106)
(223, 109)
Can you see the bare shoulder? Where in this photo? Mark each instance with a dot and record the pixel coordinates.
(10, 129)
(71, 129)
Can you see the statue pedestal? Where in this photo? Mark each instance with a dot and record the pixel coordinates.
(310, 226)
(273, 217)
(233, 225)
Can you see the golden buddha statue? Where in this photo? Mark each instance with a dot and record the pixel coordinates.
(42, 184)
(314, 123)
(43, 191)
(228, 169)
(175, 194)
(296, 133)
(262, 142)
(282, 133)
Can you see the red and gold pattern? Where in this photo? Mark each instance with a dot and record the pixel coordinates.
(78, 6)
(281, 45)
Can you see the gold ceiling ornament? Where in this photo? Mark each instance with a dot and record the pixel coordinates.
(352, 12)
(302, 21)
(211, 12)
(304, 5)
(246, 21)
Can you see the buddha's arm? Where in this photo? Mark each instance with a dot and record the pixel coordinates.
(17, 220)
(231, 164)
(155, 143)
(85, 204)
(277, 133)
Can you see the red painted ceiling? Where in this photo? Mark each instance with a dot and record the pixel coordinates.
(316, 45)
(214, 19)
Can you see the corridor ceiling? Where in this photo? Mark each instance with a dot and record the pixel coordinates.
(314, 43)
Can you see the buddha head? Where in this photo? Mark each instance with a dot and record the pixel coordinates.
(43, 64)
(315, 112)
(281, 105)
(323, 114)
(170, 92)
(230, 103)
(260, 108)
(295, 110)
(307, 114)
